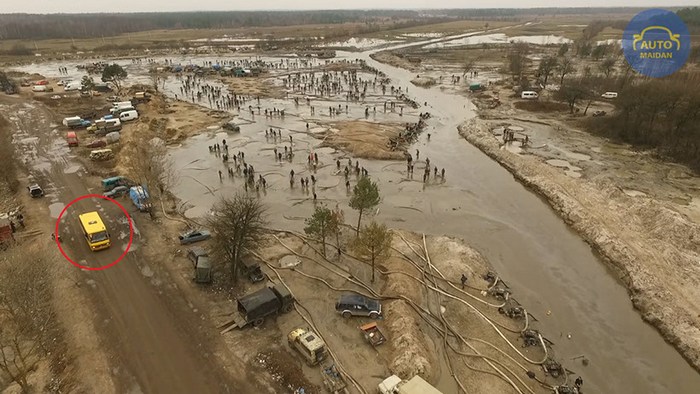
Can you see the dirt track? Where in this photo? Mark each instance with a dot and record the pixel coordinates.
(149, 331)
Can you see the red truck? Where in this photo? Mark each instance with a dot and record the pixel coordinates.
(72, 138)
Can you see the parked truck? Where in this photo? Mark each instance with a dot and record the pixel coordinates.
(140, 198)
(255, 307)
(308, 344)
(75, 122)
(416, 385)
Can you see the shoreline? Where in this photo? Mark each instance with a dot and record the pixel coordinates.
(564, 195)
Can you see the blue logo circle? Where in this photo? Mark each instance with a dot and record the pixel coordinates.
(656, 43)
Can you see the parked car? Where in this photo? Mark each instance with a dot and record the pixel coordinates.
(529, 95)
(609, 95)
(97, 144)
(193, 236)
(116, 192)
(113, 99)
(35, 191)
(358, 305)
(599, 113)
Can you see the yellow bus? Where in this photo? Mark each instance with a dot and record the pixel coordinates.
(95, 231)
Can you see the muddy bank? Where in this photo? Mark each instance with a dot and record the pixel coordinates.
(652, 247)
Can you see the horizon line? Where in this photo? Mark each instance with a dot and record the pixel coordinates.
(347, 9)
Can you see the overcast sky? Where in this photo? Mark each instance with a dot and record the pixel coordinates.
(72, 6)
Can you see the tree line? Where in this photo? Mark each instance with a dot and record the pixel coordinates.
(48, 26)
(31, 26)
(660, 114)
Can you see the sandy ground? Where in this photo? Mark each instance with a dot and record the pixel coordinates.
(413, 346)
(363, 139)
(639, 213)
(260, 86)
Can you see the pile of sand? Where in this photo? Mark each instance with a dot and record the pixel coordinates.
(409, 344)
(366, 140)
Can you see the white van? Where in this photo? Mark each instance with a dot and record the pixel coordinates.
(70, 86)
(609, 95)
(41, 88)
(121, 104)
(128, 115)
(118, 110)
(529, 95)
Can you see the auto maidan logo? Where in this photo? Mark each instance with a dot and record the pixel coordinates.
(656, 43)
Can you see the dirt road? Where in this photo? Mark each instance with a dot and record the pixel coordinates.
(152, 334)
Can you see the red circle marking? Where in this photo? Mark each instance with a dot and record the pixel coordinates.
(128, 246)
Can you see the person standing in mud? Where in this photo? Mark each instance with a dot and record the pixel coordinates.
(417, 154)
(221, 177)
(442, 174)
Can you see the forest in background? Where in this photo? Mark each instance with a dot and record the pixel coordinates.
(48, 26)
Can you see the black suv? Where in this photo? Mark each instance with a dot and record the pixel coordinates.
(358, 305)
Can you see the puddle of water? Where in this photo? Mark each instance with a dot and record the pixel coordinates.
(500, 38)
(558, 163)
(289, 261)
(360, 43)
(55, 209)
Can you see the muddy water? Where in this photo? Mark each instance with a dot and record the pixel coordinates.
(550, 269)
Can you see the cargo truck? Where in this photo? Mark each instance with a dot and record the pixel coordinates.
(140, 198)
(255, 307)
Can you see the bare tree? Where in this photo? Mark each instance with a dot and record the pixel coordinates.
(518, 60)
(156, 78)
(469, 64)
(237, 227)
(28, 329)
(148, 163)
(572, 93)
(566, 67)
(607, 66)
(547, 66)
(8, 175)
